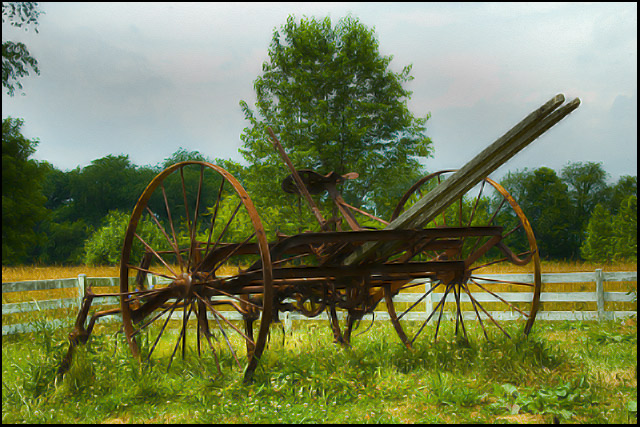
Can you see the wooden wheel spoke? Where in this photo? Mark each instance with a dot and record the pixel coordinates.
(226, 227)
(183, 334)
(225, 259)
(456, 294)
(473, 303)
(153, 319)
(155, 273)
(505, 282)
(174, 244)
(194, 224)
(493, 217)
(440, 304)
(173, 230)
(410, 285)
(184, 194)
(489, 315)
(164, 326)
(477, 267)
(146, 245)
(419, 300)
(449, 287)
(475, 205)
(202, 317)
(508, 233)
(224, 334)
(500, 298)
(216, 312)
(214, 216)
(233, 296)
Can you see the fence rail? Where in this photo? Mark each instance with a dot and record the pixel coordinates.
(598, 295)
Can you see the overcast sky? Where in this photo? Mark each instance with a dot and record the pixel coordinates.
(145, 79)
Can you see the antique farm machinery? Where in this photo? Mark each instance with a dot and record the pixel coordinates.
(213, 273)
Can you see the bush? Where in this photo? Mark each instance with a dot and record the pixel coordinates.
(104, 246)
(612, 238)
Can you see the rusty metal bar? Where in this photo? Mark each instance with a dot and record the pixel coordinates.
(301, 187)
(498, 153)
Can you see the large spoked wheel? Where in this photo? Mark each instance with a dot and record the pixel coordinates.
(195, 271)
(417, 310)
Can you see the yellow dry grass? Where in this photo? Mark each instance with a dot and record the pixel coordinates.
(566, 267)
(22, 273)
(30, 272)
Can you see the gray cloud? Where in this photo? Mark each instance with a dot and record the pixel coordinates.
(145, 79)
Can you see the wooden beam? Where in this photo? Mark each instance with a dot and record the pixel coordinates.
(487, 161)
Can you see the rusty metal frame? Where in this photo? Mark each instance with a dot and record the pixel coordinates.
(347, 270)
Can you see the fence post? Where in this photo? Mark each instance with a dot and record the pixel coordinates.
(600, 294)
(82, 282)
(151, 281)
(428, 303)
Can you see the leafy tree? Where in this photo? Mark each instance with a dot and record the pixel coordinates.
(182, 155)
(587, 187)
(64, 243)
(598, 244)
(334, 102)
(625, 230)
(55, 186)
(612, 238)
(108, 183)
(65, 229)
(104, 247)
(22, 199)
(545, 200)
(16, 59)
(626, 186)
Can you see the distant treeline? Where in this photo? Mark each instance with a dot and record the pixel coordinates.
(51, 216)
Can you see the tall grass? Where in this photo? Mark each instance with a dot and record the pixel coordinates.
(565, 371)
(569, 372)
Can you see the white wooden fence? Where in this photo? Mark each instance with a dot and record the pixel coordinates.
(598, 295)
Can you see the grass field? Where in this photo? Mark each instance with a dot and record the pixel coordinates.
(565, 371)
(580, 372)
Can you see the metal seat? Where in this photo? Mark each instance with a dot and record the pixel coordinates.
(315, 182)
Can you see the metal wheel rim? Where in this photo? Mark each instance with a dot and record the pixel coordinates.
(534, 263)
(260, 236)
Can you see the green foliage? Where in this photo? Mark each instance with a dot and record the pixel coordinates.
(22, 199)
(336, 106)
(625, 230)
(574, 215)
(79, 200)
(104, 246)
(308, 379)
(182, 155)
(16, 59)
(108, 183)
(587, 187)
(597, 245)
(64, 242)
(612, 238)
(626, 186)
(560, 400)
(545, 200)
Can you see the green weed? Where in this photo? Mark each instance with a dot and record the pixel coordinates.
(309, 379)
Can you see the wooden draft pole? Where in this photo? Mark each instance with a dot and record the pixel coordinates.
(487, 161)
(297, 180)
